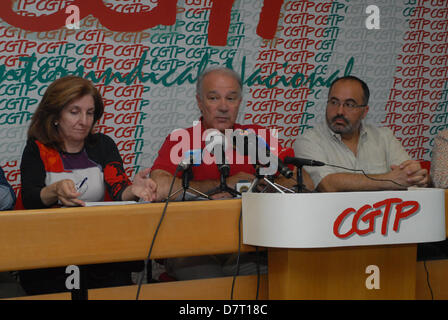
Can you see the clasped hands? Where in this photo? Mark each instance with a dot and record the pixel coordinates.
(410, 173)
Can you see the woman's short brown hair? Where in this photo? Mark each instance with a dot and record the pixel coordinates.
(58, 95)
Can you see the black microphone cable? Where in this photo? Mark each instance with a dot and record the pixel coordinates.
(140, 280)
(367, 176)
(427, 280)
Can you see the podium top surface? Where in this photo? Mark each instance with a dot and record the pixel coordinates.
(317, 220)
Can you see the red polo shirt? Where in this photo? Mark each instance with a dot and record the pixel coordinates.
(204, 171)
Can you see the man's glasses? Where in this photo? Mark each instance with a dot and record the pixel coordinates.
(335, 103)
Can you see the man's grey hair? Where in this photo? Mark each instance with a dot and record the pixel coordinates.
(220, 69)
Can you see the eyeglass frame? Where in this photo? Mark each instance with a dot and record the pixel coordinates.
(344, 104)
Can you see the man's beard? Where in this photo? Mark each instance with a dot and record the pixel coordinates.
(348, 128)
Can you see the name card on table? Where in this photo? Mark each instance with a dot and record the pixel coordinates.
(313, 220)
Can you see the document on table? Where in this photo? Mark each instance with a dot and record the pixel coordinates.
(109, 203)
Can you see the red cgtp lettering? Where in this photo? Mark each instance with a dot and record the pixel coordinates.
(270, 13)
(163, 14)
(368, 214)
(402, 214)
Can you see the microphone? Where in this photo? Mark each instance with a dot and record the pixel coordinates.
(248, 143)
(286, 152)
(298, 162)
(245, 142)
(281, 166)
(191, 157)
(216, 144)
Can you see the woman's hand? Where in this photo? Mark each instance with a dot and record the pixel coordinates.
(142, 187)
(63, 191)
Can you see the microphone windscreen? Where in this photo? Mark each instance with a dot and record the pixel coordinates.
(244, 142)
(214, 139)
(193, 157)
(286, 152)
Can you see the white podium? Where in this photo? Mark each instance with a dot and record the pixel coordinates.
(349, 245)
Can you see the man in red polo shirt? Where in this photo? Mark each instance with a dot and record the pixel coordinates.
(218, 95)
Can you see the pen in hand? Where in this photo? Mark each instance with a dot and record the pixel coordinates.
(81, 184)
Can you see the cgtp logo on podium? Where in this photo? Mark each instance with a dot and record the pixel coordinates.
(368, 215)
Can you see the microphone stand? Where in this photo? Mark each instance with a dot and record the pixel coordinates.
(274, 185)
(224, 170)
(187, 176)
(299, 178)
(299, 163)
(256, 181)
